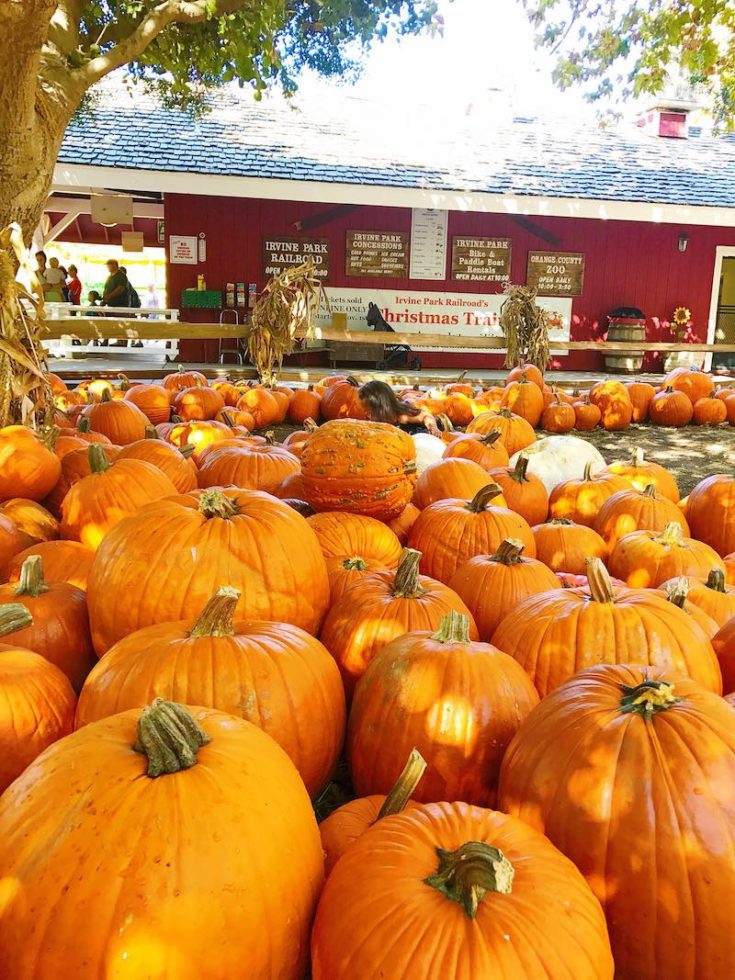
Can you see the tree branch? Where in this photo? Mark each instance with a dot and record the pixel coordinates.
(64, 27)
(163, 14)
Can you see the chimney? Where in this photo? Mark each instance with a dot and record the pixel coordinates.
(668, 116)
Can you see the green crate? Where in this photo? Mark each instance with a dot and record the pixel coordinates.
(202, 299)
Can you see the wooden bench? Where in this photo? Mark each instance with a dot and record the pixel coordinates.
(351, 352)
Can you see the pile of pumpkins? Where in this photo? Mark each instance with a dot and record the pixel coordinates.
(520, 650)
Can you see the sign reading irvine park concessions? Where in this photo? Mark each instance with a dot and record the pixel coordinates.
(481, 259)
(377, 253)
(556, 273)
(280, 253)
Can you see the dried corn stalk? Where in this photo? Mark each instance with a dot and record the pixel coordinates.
(25, 393)
(525, 327)
(289, 305)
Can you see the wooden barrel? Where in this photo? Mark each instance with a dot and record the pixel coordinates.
(631, 331)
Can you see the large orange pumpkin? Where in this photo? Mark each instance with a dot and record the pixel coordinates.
(523, 492)
(63, 561)
(493, 585)
(360, 467)
(198, 403)
(342, 535)
(449, 479)
(580, 500)
(450, 532)
(711, 512)
(251, 467)
(36, 708)
(633, 510)
(401, 525)
(465, 878)
(670, 408)
(28, 468)
(152, 400)
(341, 400)
(555, 634)
(159, 804)
(613, 400)
(272, 674)
(164, 562)
(74, 467)
(48, 618)
(524, 398)
(31, 519)
(382, 606)
(631, 773)
(710, 410)
(640, 472)
(174, 383)
(564, 546)
(713, 596)
(121, 421)
(486, 450)
(640, 394)
(175, 463)
(305, 404)
(693, 384)
(645, 559)
(516, 433)
(458, 702)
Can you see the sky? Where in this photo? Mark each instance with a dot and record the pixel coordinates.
(485, 56)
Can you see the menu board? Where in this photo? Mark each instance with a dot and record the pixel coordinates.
(280, 253)
(428, 244)
(377, 253)
(556, 273)
(481, 259)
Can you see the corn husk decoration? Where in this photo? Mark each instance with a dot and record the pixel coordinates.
(25, 393)
(525, 327)
(289, 305)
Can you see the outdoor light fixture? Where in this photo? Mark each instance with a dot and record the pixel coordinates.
(683, 242)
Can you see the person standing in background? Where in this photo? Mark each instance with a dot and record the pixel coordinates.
(74, 286)
(40, 272)
(54, 281)
(116, 286)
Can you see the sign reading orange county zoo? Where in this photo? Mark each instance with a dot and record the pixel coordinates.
(280, 253)
(481, 259)
(556, 273)
(377, 253)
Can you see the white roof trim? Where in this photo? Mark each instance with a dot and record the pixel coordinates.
(70, 177)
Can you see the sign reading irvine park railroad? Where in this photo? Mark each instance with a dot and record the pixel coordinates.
(280, 253)
(377, 253)
(481, 259)
(556, 273)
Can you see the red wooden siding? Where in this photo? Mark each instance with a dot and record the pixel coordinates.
(626, 263)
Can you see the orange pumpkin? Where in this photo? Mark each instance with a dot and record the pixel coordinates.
(580, 500)
(229, 391)
(729, 561)
(121, 421)
(613, 401)
(175, 463)
(531, 373)
(450, 532)
(36, 709)
(98, 502)
(173, 383)
(558, 416)
(670, 408)
(31, 519)
(449, 479)
(507, 576)
(12, 541)
(48, 618)
(359, 467)
(342, 535)
(236, 419)
(271, 674)
(401, 525)
(713, 596)
(555, 634)
(292, 488)
(342, 401)
(640, 473)
(633, 510)
(723, 643)
(524, 398)
(710, 410)
(175, 552)
(200, 435)
(198, 403)
(305, 404)
(645, 559)
(252, 467)
(152, 400)
(262, 405)
(343, 573)
(523, 492)
(295, 441)
(63, 561)
(160, 795)
(487, 450)
(564, 546)
(379, 608)
(586, 415)
(516, 433)
(74, 467)
(676, 591)
(640, 394)
(711, 513)
(662, 738)
(28, 468)
(424, 685)
(465, 877)
(693, 384)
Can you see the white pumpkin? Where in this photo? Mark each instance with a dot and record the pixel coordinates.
(558, 458)
(429, 449)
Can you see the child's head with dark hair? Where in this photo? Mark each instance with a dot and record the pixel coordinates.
(383, 404)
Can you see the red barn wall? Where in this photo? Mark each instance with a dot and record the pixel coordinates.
(626, 263)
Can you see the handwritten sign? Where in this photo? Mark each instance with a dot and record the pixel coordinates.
(280, 253)
(182, 249)
(481, 259)
(377, 253)
(428, 243)
(556, 273)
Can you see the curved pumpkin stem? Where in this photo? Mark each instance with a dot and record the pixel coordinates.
(518, 473)
(716, 580)
(14, 616)
(215, 503)
(454, 627)
(637, 457)
(484, 496)
(406, 584)
(650, 490)
(677, 591)
(106, 395)
(671, 535)
(217, 616)
(169, 737)
(587, 475)
(98, 462)
(491, 438)
(403, 788)
(601, 589)
(648, 698)
(509, 552)
(31, 577)
(466, 875)
(151, 432)
(84, 425)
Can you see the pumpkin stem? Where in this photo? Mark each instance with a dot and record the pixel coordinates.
(31, 577)
(483, 497)
(215, 503)
(404, 786)
(564, 521)
(491, 438)
(124, 382)
(216, 617)
(672, 534)
(354, 564)
(169, 737)
(106, 395)
(505, 413)
(648, 698)
(509, 552)
(650, 490)
(151, 432)
(637, 457)
(49, 434)
(353, 381)
(466, 875)
(98, 462)
(310, 425)
(227, 418)
(84, 425)
(187, 450)
(716, 580)
(518, 473)
(587, 475)
(14, 616)
(406, 583)
(454, 627)
(270, 438)
(677, 591)
(601, 589)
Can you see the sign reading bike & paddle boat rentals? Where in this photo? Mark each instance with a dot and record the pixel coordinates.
(455, 314)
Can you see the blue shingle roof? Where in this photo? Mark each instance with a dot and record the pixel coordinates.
(348, 140)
